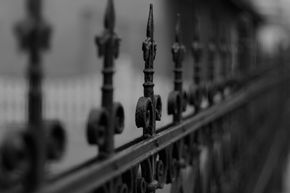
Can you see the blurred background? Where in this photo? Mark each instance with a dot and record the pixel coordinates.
(73, 71)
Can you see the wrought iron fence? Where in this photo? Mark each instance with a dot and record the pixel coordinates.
(231, 141)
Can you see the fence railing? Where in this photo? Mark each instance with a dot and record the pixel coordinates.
(230, 142)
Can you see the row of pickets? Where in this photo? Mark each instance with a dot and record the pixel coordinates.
(24, 154)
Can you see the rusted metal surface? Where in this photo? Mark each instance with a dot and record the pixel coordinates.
(224, 143)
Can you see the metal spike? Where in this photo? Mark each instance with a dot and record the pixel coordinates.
(150, 24)
(110, 17)
(150, 102)
(178, 29)
(34, 8)
(34, 35)
(108, 46)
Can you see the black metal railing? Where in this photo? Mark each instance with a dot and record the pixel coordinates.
(230, 141)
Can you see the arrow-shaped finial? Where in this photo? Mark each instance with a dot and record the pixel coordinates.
(150, 24)
(178, 30)
(34, 8)
(110, 16)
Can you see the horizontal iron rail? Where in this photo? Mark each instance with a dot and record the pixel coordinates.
(94, 174)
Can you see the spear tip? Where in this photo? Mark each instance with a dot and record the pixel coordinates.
(109, 22)
(150, 24)
(178, 29)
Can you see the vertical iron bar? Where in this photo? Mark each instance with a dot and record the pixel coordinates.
(196, 52)
(35, 101)
(243, 46)
(108, 45)
(149, 107)
(196, 91)
(178, 51)
(150, 51)
(224, 57)
(228, 55)
(211, 62)
(34, 36)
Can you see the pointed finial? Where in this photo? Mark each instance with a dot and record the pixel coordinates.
(149, 106)
(110, 16)
(107, 121)
(35, 31)
(34, 8)
(150, 24)
(177, 29)
(108, 35)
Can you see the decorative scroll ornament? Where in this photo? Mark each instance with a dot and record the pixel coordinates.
(103, 123)
(177, 99)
